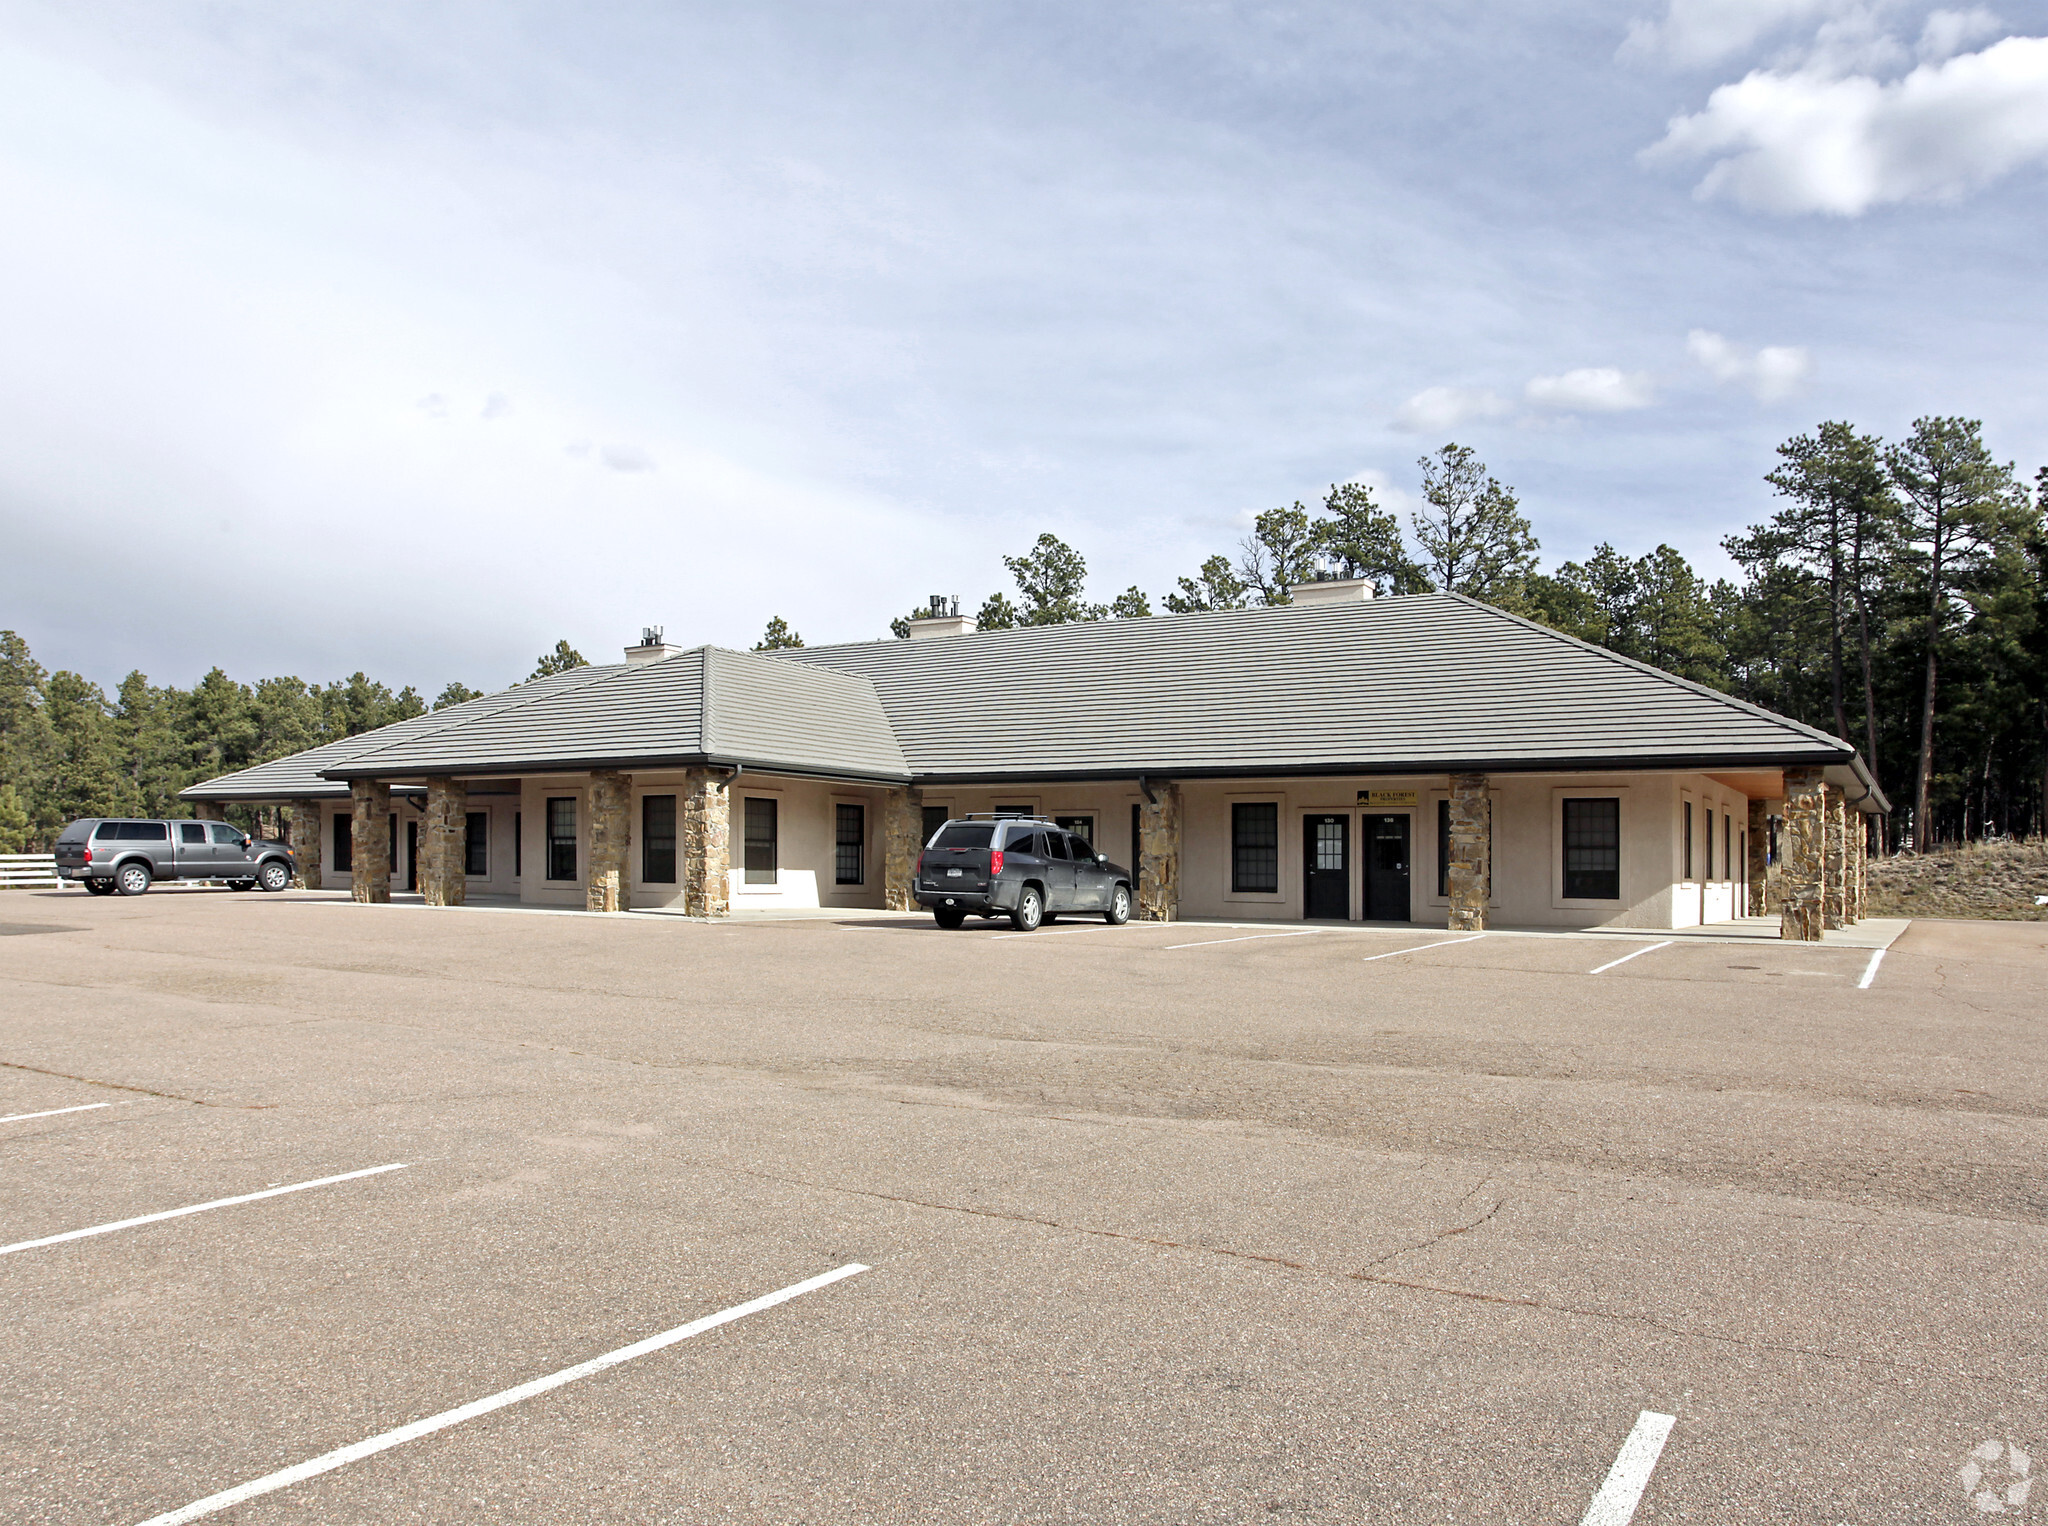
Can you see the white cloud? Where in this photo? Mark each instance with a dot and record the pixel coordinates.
(626, 458)
(1947, 33)
(1386, 492)
(1775, 371)
(1591, 389)
(1808, 141)
(1436, 409)
(1695, 33)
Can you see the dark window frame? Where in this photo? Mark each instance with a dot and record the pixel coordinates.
(658, 839)
(1686, 872)
(934, 817)
(1081, 826)
(1709, 835)
(476, 846)
(518, 844)
(761, 850)
(561, 850)
(849, 854)
(1599, 817)
(344, 843)
(1254, 863)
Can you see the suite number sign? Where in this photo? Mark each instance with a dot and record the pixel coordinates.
(1386, 799)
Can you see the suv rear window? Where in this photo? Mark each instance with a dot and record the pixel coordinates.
(964, 835)
(78, 831)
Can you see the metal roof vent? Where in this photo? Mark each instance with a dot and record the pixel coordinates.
(943, 618)
(1327, 588)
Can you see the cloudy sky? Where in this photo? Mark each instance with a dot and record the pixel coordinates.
(411, 337)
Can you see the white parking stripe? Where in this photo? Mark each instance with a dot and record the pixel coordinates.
(1615, 1504)
(1648, 948)
(1422, 947)
(179, 1213)
(1870, 970)
(83, 1107)
(1301, 932)
(327, 1462)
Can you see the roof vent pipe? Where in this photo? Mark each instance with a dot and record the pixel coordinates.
(942, 618)
(651, 648)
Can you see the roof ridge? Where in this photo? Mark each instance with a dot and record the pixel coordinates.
(1650, 668)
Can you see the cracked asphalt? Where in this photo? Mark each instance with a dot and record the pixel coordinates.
(1252, 1232)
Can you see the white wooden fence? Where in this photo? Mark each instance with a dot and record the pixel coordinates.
(28, 871)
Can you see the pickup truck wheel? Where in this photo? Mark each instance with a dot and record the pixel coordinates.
(273, 876)
(132, 879)
(1119, 906)
(1030, 910)
(949, 917)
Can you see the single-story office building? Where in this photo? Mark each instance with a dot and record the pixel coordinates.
(1425, 759)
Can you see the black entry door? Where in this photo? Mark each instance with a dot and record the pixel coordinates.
(1386, 868)
(412, 855)
(1326, 851)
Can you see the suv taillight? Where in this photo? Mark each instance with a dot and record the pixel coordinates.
(995, 862)
(88, 855)
(919, 871)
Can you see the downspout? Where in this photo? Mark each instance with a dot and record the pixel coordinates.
(1145, 788)
(726, 782)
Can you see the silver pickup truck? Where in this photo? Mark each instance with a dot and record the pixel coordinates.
(108, 856)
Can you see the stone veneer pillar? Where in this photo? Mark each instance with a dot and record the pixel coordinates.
(1756, 866)
(1469, 874)
(1159, 854)
(1834, 904)
(369, 832)
(606, 887)
(1802, 884)
(707, 844)
(306, 844)
(902, 842)
(209, 810)
(1859, 863)
(445, 837)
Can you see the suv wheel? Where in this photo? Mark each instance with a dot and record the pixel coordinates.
(949, 917)
(1030, 910)
(273, 876)
(132, 879)
(1119, 906)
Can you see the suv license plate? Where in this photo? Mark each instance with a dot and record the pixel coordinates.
(952, 874)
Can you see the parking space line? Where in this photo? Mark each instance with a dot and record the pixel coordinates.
(327, 1462)
(1648, 948)
(1422, 947)
(1622, 1491)
(83, 1107)
(179, 1213)
(1870, 970)
(1300, 932)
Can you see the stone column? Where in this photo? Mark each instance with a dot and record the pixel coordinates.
(1802, 883)
(1834, 902)
(1468, 876)
(306, 844)
(1756, 859)
(607, 887)
(209, 810)
(369, 840)
(445, 835)
(1159, 854)
(1859, 862)
(707, 844)
(902, 841)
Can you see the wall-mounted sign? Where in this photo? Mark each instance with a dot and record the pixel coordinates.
(1387, 799)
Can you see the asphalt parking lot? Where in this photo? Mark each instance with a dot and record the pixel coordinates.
(1154, 1224)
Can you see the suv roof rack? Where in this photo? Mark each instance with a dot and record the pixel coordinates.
(1004, 816)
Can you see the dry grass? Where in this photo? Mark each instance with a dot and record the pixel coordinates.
(1995, 880)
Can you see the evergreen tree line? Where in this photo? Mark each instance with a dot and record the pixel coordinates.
(1897, 598)
(68, 749)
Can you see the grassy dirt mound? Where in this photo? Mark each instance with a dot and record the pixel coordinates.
(1998, 880)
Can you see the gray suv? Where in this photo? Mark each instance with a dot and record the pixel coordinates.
(128, 856)
(1021, 867)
